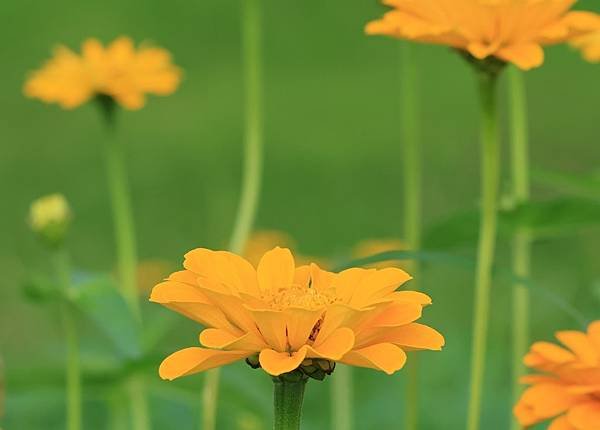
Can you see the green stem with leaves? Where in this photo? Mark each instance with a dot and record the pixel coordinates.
(69, 323)
(521, 241)
(118, 186)
(411, 167)
(288, 396)
(490, 178)
(252, 169)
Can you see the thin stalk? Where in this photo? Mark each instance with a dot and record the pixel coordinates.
(521, 241)
(252, 169)
(341, 398)
(288, 397)
(490, 166)
(411, 167)
(120, 199)
(69, 323)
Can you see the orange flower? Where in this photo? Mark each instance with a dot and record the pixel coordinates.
(589, 46)
(513, 31)
(568, 391)
(118, 71)
(282, 317)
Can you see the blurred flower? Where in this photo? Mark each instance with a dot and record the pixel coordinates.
(589, 46)
(285, 318)
(568, 390)
(513, 31)
(49, 217)
(119, 71)
(370, 247)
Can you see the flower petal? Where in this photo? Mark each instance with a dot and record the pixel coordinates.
(581, 345)
(276, 269)
(335, 346)
(223, 339)
(383, 356)
(378, 284)
(525, 56)
(585, 416)
(299, 325)
(276, 363)
(272, 326)
(193, 360)
(561, 423)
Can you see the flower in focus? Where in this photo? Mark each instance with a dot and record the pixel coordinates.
(285, 318)
(370, 247)
(49, 217)
(589, 46)
(120, 71)
(513, 31)
(568, 389)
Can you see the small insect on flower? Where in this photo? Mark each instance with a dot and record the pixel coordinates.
(49, 218)
(118, 71)
(513, 31)
(568, 390)
(285, 318)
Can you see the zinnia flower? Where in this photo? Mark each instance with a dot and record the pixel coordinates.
(568, 390)
(589, 46)
(513, 31)
(118, 71)
(282, 317)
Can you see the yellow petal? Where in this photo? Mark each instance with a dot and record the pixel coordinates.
(193, 360)
(561, 423)
(412, 336)
(276, 269)
(585, 416)
(552, 352)
(334, 347)
(276, 363)
(299, 325)
(272, 326)
(383, 356)
(581, 345)
(223, 339)
(396, 314)
(525, 56)
(378, 284)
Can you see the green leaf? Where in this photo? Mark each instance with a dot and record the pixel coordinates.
(99, 300)
(587, 186)
(41, 289)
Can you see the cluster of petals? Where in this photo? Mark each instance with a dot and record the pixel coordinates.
(284, 315)
(567, 391)
(119, 70)
(513, 31)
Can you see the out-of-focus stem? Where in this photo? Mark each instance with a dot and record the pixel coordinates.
(521, 241)
(342, 391)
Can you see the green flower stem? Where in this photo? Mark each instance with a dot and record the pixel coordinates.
(252, 169)
(490, 164)
(411, 167)
(69, 323)
(118, 186)
(120, 198)
(288, 398)
(341, 398)
(521, 242)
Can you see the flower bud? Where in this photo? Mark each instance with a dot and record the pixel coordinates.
(49, 218)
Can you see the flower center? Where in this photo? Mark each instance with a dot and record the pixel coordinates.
(299, 295)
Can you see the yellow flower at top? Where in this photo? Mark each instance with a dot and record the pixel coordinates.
(568, 390)
(120, 71)
(285, 318)
(589, 46)
(513, 31)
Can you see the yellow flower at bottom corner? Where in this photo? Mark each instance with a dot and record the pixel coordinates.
(119, 71)
(567, 391)
(284, 318)
(589, 46)
(512, 31)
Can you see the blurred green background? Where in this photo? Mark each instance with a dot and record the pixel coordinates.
(331, 179)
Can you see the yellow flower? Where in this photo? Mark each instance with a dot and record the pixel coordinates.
(513, 31)
(282, 317)
(49, 217)
(589, 46)
(118, 71)
(568, 390)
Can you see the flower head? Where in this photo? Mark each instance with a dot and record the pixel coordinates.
(49, 217)
(589, 46)
(285, 318)
(513, 31)
(568, 390)
(120, 71)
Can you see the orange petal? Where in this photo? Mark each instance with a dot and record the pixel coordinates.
(383, 356)
(525, 56)
(223, 339)
(193, 360)
(378, 284)
(585, 416)
(302, 275)
(581, 345)
(396, 314)
(561, 423)
(547, 400)
(347, 282)
(411, 297)
(335, 346)
(276, 269)
(594, 334)
(552, 352)
(272, 327)
(412, 336)
(276, 363)
(299, 325)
